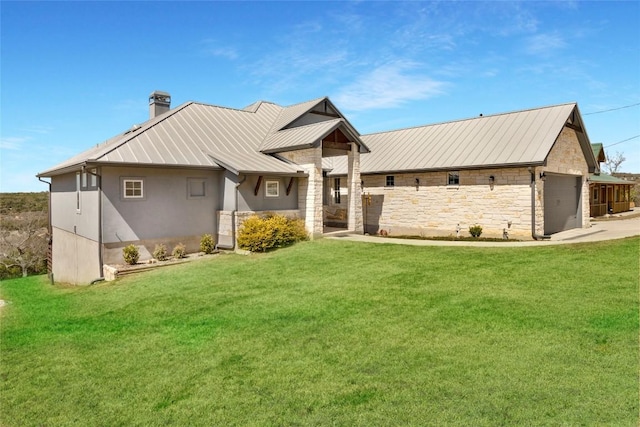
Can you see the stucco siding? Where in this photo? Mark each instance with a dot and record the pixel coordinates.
(65, 214)
(167, 213)
(75, 258)
(249, 201)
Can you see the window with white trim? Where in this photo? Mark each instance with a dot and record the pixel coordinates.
(336, 191)
(453, 178)
(272, 188)
(94, 178)
(84, 179)
(390, 181)
(133, 188)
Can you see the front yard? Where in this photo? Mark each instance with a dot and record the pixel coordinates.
(333, 333)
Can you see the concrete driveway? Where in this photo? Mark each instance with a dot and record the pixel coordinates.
(626, 225)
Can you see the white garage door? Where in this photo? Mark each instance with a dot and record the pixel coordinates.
(562, 203)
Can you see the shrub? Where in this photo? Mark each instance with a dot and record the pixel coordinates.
(207, 244)
(130, 254)
(160, 252)
(180, 251)
(271, 231)
(475, 230)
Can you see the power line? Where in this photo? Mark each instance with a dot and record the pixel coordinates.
(620, 142)
(612, 109)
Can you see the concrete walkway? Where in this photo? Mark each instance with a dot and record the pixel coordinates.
(618, 227)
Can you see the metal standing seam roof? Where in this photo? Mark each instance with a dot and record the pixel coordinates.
(187, 136)
(239, 163)
(518, 138)
(195, 134)
(201, 135)
(292, 112)
(299, 137)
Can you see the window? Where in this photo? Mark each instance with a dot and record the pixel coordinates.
(196, 188)
(78, 191)
(391, 181)
(453, 178)
(336, 191)
(84, 179)
(94, 178)
(133, 189)
(272, 189)
(595, 194)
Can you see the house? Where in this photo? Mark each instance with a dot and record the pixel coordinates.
(607, 194)
(518, 175)
(199, 168)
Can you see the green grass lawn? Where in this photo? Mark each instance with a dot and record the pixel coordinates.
(334, 333)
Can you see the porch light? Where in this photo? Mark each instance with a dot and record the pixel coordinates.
(543, 176)
(492, 179)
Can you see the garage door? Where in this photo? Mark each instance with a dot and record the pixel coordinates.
(561, 203)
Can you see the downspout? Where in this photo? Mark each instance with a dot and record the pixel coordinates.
(535, 235)
(100, 255)
(49, 228)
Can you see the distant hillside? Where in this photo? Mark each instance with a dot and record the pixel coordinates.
(13, 203)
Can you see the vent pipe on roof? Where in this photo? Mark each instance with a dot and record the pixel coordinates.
(159, 102)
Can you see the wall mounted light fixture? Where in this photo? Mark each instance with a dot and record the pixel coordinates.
(543, 176)
(492, 179)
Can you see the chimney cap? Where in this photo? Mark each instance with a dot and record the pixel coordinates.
(158, 95)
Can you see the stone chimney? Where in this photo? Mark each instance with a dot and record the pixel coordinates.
(159, 102)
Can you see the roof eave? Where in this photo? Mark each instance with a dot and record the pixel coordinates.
(455, 168)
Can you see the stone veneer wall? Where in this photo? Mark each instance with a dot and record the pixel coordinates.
(566, 157)
(309, 189)
(435, 208)
(225, 221)
(354, 220)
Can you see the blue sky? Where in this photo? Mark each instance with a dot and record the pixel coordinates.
(76, 73)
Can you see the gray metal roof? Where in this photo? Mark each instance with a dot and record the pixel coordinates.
(189, 136)
(510, 139)
(239, 163)
(292, 112)
(299, 137)
(200, 135)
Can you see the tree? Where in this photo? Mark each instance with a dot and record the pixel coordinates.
(24, 243)
(612, 164)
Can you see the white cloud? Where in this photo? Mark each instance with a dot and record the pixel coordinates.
(43, 130)
(213, 47)
(387, 86)
(544, 44)
(224, 52)
(13, 142)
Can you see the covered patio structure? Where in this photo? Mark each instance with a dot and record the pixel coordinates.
(608, 195)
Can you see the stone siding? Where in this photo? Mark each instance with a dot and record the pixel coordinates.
(434, 208)
(310, 188)
(566, 157)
